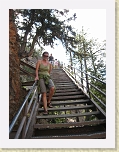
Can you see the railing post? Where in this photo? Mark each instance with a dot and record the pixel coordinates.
(25, 114)
(75, 75)
(87, 85)
(81, 75)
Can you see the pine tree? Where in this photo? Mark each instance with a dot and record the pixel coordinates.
(42, 27)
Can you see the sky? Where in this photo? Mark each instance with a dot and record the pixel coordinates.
(93, 22)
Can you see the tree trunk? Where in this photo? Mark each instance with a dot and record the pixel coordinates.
(14, 68)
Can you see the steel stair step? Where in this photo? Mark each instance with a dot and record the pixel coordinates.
(66, 87)
(63, 83)
(70, 124)
(68, 115)
(64, 80)
(100, 135)
(85, 132)
(67, 108)
(67, 93)
(68, 90)
(68, 97)
(74, 102)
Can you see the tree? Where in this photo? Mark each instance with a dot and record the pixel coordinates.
(42, 27)
(14, 70)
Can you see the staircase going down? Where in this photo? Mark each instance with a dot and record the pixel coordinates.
(73, 116)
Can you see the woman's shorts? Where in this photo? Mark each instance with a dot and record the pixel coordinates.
(43, 86)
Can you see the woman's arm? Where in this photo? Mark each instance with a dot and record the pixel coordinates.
(37, 67)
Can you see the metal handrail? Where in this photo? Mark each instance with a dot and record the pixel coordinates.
(93, 86)
(27, 126)
(21, 108)
(98, 89)
(93, 77)
(89, 82)
(73, 74)
(90, 75)
(98, 99)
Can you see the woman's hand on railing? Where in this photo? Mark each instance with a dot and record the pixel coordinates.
(36, 78)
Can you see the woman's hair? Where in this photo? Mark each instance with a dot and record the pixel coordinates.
(45, 53)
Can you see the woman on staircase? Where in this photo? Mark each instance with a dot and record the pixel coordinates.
(43, 69)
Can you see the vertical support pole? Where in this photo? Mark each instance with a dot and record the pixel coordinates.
(71, 60)
(25, 114)
(81, 73)
(75, 74)
(87, 85)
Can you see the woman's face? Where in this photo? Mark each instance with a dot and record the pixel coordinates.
(45, 56)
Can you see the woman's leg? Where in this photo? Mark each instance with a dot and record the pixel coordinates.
(51, 92)
(44, 94)
(44, 98)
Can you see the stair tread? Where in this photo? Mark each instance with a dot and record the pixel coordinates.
(68, 97)
(94, 135)
(68, 90)
(64, 83)
(61, 81)
(69, 102)
(66, 87)
(67, 108)
(67, 93)
(68, 115)
(54, 125)
(78, 132)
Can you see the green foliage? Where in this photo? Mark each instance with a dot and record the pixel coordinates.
(42, 27)
(37, 53)
(57, 120)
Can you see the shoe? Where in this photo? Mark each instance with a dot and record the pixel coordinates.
(45, 113)
(49, 105)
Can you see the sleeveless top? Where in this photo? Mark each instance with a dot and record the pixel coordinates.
(44, 69)
(44, 74)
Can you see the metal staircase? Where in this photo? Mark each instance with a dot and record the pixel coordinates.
(74, 114)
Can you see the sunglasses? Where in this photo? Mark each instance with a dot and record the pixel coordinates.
(45, 55)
